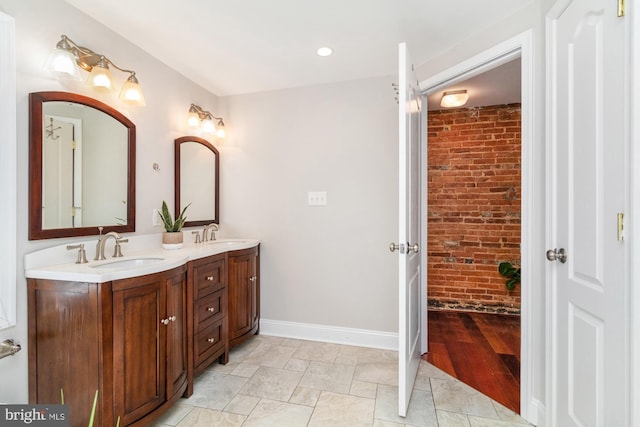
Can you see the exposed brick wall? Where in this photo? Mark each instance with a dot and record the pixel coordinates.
(474, 205)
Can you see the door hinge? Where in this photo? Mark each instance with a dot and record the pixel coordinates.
(620, 8)
(620, 226)
(73, 211)
(73, 144)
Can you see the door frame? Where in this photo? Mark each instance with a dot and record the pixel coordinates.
(634, 210)
(532, 309)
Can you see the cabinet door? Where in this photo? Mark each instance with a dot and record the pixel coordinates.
(64, 346)
(243, 294)
(139, 350)
(176, 331)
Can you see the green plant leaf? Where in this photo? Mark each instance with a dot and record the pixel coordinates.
(93, 409)
(504, 267)
(511, 284)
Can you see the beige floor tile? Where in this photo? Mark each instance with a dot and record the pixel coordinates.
(299, 365)
(242, 404)
(421, 411)
(280, 382)
(274, 356)
(305, 396)
(506, 414)
(454, 396)
(334, 409)
(486, 422)
(322, 352)
(382, 423)
(271, 413)
(245, 370)
(214, 390)
(174, 415)
(380, 372)
(363, 389)
(452, 419)
(272, 383)
(328, 376)
(203, 417)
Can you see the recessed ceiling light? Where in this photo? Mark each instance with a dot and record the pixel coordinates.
(324, 51)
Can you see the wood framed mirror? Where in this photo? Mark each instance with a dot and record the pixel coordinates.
(197, 176)
(82, 167)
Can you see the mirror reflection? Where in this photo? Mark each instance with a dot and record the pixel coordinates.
(82, 163)
(197, 168)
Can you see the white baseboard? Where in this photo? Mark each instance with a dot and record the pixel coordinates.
(332, 334)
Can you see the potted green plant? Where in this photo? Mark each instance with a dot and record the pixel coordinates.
(511, 273)
(172, 237)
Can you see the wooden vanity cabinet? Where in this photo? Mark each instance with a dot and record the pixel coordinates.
(127, 338)
(150, 343)
(244, 294)
(208, 281)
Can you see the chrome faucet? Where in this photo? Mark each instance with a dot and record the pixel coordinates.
(205, 232)
(100, 245)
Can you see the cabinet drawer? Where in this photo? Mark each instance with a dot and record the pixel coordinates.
(208, 342)
(208, 309)
(208, 278)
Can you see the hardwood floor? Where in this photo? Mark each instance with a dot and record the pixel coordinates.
(480, 349)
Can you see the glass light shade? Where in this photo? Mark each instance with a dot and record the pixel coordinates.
(131, 93)
(63, 63)
(455, 98)
(208, 125)
(220, 133)
(193, 120)
(100, 78)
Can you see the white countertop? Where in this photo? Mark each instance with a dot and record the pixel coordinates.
(58, 263)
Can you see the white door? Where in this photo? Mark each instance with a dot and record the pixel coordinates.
(57, 174)
(409, 282)
(588, 258)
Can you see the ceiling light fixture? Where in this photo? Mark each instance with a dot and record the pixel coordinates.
(454, 98)
(68, 58)
(324, 51)
(207, 122)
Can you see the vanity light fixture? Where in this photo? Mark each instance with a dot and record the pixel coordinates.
(454, 98)
(207, 122)
(68, 58)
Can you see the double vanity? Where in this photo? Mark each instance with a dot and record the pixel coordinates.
(136, 328)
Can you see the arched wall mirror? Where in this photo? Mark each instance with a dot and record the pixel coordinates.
(81, 167)
(197, 173)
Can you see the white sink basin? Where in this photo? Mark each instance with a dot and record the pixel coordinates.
(224, 242)
(129, 263)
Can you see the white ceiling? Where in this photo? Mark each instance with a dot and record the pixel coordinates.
(243, 46)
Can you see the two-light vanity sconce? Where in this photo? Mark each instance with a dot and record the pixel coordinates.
(68, 59)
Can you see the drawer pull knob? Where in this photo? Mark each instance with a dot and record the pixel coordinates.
(252, 278)
(211, 340)
(210, 278)
(172, 318)
(165, 321)
(211, 309)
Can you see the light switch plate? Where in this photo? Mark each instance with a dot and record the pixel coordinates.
(155, 218)
(317, 198)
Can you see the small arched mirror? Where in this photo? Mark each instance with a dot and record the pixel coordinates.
(197, 172)
(81, 167)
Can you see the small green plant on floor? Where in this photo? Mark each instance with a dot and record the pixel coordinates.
(511, 273)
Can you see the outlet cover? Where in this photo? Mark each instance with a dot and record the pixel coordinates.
(317, 198)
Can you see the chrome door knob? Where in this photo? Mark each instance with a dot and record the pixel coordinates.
(393, 247)
(557, 255)
(415, 248)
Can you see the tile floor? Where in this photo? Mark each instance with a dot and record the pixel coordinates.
(281, 382)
